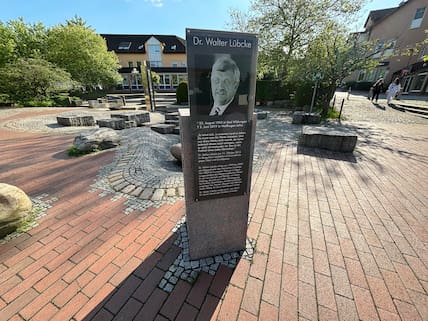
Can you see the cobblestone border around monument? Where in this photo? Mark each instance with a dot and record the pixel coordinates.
(188, 270)
(41, 204)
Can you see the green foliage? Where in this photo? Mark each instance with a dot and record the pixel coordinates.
(83, 53)
(29, 40)
(269, 90)
(332, 113)
(61, 100)
(303, 93)
(73, 151)
(181, 93)
(29, 79)
(155, 78)
(37, 103)
(7, 45)
(287, 27)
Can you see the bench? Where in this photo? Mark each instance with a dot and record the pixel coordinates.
(335, 139)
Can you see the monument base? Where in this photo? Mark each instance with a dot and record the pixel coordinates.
(219, 225)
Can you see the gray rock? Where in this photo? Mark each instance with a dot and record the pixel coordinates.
(15, 206)
(176, 151)
(100, 138)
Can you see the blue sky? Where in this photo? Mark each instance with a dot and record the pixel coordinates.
(142, 16)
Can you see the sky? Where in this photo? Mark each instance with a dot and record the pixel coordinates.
(168, 17)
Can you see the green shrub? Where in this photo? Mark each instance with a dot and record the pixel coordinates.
(37, 103)
(181, 93)
(60, 100)
(303, 93)
(270, 90)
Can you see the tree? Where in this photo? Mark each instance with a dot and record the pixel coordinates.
(29, 39)
(32, 79)
(301, 38)
(333, 54)
(7, 45)
(76, 48)
(287, 27)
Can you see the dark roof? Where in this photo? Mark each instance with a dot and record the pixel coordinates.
(377, 15)
(135, 43)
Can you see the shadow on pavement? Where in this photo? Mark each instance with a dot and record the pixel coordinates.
(322, 153)
(139, 297)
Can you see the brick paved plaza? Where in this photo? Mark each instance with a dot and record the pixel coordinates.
(335, 236)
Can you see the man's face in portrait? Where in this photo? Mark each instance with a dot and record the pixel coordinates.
(223, 84)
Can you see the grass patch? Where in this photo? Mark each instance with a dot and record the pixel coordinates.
(73, 151)
(29, 222)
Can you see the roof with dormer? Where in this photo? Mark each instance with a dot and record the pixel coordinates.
(122, 43)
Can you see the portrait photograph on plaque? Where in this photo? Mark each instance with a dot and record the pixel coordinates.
(221, 75)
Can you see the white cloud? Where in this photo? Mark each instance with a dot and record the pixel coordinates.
(156, 3)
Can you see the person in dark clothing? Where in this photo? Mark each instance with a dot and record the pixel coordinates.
(377, 88)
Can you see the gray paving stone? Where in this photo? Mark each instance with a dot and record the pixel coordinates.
(158, 194)
(147, 193)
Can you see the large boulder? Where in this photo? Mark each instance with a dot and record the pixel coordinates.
(176, 151)
(100, 138)
(15, 206)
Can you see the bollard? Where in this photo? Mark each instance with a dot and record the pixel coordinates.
(341, 107)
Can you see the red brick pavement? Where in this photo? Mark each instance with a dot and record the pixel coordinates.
(338, 238)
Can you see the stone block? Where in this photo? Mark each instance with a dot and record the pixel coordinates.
(113, 123)
(172, 116)
(176, 130)
(334, 139)
(140, 117)
(172, 122)
(130, 124)
(163, 128)
(261, 114)
(75, 120)
(300, 117)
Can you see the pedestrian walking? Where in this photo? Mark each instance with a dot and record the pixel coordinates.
(377, 88)
(393, 90)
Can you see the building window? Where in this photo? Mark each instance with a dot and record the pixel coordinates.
(155, 56)
(417, 20)
(125, 45)
(361, 75)
(130, 64)
(138, 63)
(419, 82)
(389, 48)
(174, 64)
(378, 49)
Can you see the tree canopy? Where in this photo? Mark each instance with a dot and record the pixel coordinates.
(83, 53)
(301, 38)
(56, 57)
